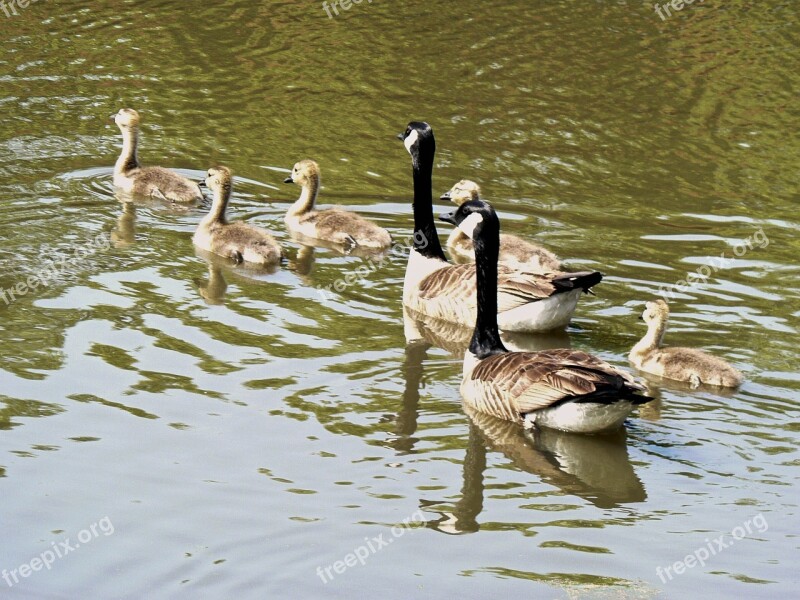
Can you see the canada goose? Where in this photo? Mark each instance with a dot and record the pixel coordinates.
(157, 182)
(560, 389)
(514, 251)
(681, 364)
(239, 241)
(334, 224)
(528, 302)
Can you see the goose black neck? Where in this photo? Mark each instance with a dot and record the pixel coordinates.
(486, 338)
(426, 238)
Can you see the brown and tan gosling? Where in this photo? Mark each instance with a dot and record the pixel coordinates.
(333, 225)
(680, 364)
(156, 182)
(514, 251)
(240, 241)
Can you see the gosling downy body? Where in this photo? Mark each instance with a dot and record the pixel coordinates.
(561, 389)
(155, 182)
(680, 364)
(515, 252)
(238, 241)
(334, 225)
(528, 302)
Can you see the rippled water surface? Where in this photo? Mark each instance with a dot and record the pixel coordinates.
(230, 433)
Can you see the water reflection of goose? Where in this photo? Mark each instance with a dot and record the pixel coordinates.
(455, 338)
(595, 468)
(213, 289)
(124, 234)
(405, 427)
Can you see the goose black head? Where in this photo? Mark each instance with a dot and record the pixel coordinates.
(418, 139)
(475, 218)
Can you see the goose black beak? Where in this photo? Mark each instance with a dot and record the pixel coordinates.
(448, 217)
(401, 137)
(446, 196)
(288, 180)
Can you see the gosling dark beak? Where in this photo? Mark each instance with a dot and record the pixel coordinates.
(448, 217)
(288, 180)
(641, 317)
(401, 137)
(112, 118)
(446, 196)
(202, 184)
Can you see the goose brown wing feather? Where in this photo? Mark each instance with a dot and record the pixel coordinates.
(532, 381)
(514, 288)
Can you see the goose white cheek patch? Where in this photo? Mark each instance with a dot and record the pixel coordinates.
(411, 140)
(469, 224)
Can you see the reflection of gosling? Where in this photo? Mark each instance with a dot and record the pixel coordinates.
(239, 241)
(157, 182)
(333, 225)
(681, 364)
(125, 233)
(514, 251)
(213, 291)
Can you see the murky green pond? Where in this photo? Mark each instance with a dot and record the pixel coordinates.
(172, 427)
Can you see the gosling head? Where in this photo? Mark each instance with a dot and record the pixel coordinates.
(303, 172)
(655, 311)
(419, 141)
(475, 218)
(464, 191)
(126, 118)
(219, 180)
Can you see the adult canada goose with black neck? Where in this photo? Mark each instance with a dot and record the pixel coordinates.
(560, 389)
(527, 301)
(155, 182)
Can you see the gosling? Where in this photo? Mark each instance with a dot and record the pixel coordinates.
(239, 241)
(334, 225)
(514, 251)
(156, 182)
(680, 364)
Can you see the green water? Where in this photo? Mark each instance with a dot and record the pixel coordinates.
(240, 434)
